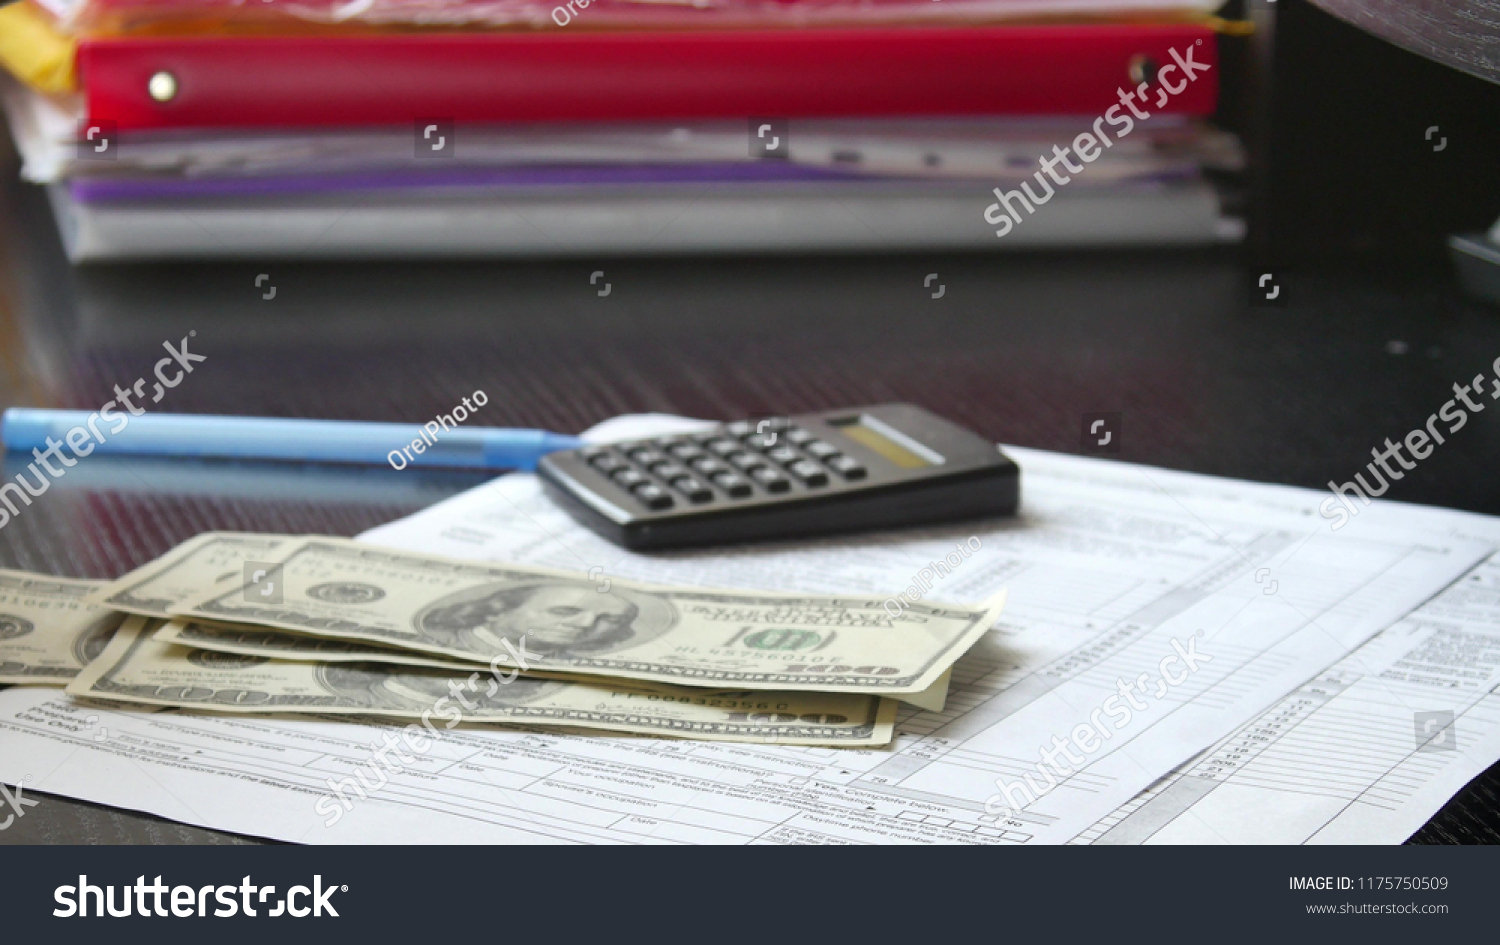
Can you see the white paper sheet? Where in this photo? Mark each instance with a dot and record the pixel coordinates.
(1363, 753)
(1108, 564)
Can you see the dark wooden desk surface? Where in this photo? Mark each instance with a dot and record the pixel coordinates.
(1018, 348)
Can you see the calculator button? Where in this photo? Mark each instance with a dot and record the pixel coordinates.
(708, 466)
(647, 457)
(740, 428)
(846, 467)
(809, 472)
(784, 455)
(629, 478)
(723, 447)
(770, 479)
(734, 484)
(798, 436)
(685, 451)
(669, 470)
(653, 496)
(746, 461)
(820, 450)
(693, 489)
(760, 441)
(607, 462)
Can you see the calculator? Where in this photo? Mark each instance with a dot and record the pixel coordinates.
(866, 467)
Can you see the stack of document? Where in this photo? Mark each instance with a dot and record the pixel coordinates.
(1181, 659)
(515, 128)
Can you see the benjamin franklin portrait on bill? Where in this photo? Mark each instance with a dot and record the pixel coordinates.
(557, 618)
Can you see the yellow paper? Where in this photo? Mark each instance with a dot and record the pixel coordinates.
(34, 51)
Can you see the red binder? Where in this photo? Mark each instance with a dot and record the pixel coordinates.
(601, 76)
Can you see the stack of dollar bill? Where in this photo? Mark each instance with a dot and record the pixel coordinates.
(248, 623)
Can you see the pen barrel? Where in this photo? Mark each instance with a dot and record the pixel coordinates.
(396, 444)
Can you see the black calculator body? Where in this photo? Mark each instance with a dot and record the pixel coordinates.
(816, 474)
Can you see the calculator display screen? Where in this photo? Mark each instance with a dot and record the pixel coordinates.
(888, 441)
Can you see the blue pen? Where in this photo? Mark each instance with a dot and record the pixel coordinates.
(436, 443)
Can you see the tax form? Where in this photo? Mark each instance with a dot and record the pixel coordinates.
(1363, 752)
(1112, 570)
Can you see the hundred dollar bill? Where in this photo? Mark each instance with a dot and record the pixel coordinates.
(683, 636)
(286, 645)
(140, 669)
(187, 571)
(48, 629)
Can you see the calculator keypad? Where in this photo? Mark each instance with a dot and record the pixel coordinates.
(771, 480)
(733, 462)
(708, 466)
(629, 478)
(734, 484)
(696, 491)
(647, 457)
(784, 455)
(607, 464)
(782, 478)
(846, 467)
(653, 496)
(809, 472)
